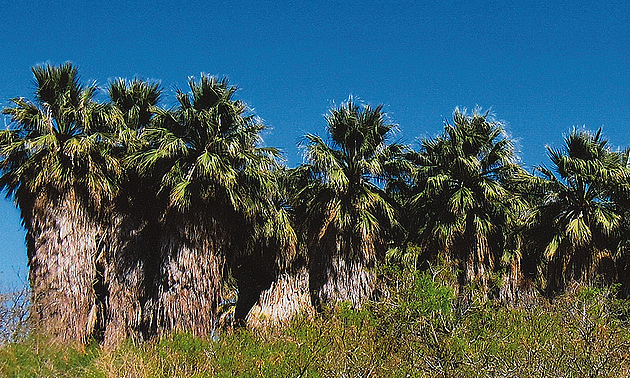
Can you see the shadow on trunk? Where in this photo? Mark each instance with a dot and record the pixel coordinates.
(254, 274)
(342, 271)
(131, 265)
(287, 296)
(190, 277)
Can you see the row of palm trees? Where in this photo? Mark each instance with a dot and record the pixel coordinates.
(140, 217)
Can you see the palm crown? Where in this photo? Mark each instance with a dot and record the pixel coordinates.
(205, 146)
(343, 193)
(579, 202)
(461, 202)
(344, 211)
(60, 142)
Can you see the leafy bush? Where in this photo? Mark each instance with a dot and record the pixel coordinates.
(419, 329)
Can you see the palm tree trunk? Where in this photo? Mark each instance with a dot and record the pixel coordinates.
(130, 265)
(582, 265)
(477, 265)
(190, 277)
(62, 248)
(513, 289)
(287, 296)
(345, 275)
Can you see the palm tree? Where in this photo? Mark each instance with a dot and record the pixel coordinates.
(621, 197)
(343, 210)
(461, 207)
(133, 230)
(57, 164)
(215, 182)
(276, 282)
(578, 210)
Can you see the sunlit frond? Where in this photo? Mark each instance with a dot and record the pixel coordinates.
(462, 208)
(60, 142)
(580, 198)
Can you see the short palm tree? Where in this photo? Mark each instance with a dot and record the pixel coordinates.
(578, 210)
(57, 164)
(276, 280)
(215, 184)
(341, 207)
(461, 208)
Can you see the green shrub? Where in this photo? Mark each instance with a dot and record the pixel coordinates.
(418, 329)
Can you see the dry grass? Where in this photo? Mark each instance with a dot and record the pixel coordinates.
(421, 330)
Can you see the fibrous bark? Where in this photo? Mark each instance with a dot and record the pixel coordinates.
(62, 244)
(287, 296)
(190, 277)
(342, 271)
(131, 254)
(580, 265)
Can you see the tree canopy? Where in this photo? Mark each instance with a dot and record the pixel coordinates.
(152, 218)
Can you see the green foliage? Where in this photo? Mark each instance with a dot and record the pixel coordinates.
(341, 209)
(424, 297)
(421, 329)
(58, 143)
(207, 156)
(463, 199)
(38, 358)
(458, 205)
(579, 210)
(340, 195)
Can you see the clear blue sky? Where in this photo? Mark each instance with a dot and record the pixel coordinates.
(541, 66)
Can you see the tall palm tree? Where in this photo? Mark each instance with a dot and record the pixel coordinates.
(578, 210)
(460, 203)
(214, 181)
(344, 211)
(57, 164)
(133, 229)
